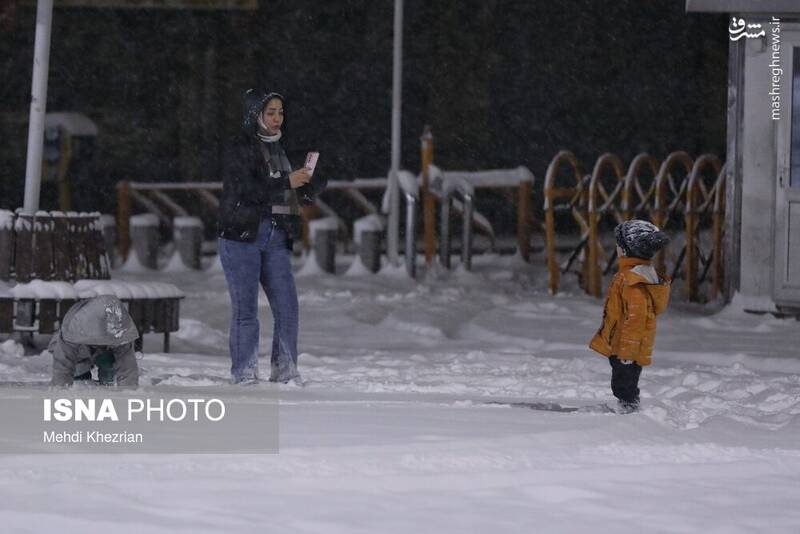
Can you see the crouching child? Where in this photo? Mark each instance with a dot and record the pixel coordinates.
(637, 294)
(97, 332)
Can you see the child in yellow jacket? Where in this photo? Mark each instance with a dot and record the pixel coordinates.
(637, 294)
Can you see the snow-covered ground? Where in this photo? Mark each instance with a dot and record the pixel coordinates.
(412, 420)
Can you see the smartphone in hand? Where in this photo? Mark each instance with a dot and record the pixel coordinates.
(311, 162)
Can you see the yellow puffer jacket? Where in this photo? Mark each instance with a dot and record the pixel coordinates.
(636, 295)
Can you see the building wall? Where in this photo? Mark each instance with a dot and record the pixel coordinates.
(758, 177)
(759, 173)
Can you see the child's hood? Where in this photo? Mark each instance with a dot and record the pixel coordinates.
(657, 286)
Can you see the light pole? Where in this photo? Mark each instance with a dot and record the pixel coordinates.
(397, 88)
(41, 63)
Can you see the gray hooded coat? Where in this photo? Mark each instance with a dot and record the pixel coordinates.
(90, 324)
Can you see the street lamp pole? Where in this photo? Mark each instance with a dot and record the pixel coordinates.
(41, 64)
(397, 88)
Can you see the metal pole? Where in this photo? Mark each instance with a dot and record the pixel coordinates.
(41, 63)
(411, 232)
(428, 200)
(466, 233)
(444, 228)
(394, 197)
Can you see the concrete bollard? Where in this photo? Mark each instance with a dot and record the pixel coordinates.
(188, 234)
(368, 235)
(323, 239)
(108, 227)
(370, 250)
(144, 235)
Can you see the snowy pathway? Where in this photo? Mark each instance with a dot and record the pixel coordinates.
(407, 422)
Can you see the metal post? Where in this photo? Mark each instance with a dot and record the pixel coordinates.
(444, 230)
(394, 196)
(550, 235)
(659, 215)
(124, 212)
(466, 236)
(411, 232)
(718, 232)
(593, 282)
(690, 259)
(428, 200)
(523, 220)
(41, 63)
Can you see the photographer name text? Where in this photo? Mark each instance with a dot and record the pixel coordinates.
(92, 436)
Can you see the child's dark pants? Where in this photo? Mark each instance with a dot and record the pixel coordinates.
(625, 380)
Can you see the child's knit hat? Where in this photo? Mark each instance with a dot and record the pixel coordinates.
(640, 239)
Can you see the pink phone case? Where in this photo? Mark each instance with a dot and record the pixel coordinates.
(311, 161)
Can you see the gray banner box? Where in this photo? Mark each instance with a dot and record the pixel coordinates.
(250, 424)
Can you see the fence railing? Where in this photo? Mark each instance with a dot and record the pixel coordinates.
(682, 196)
(517, 182)
(155, 198)
(158, 199)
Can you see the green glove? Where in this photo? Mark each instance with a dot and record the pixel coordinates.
(105, 367)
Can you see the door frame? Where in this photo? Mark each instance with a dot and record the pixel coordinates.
(785, 292)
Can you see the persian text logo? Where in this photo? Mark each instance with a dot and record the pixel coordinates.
(739, 28)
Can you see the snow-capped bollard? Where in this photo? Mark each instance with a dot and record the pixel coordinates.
(6, 239)
(323, 239)
(370, 250)
(188, 234)
(368, 233)
(144, 235)
(108, 227)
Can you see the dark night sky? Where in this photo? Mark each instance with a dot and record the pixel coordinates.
(503, 83)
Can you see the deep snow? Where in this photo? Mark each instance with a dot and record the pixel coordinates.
(407, 422)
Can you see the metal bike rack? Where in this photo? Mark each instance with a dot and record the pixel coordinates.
(464, 192)
(409, 188)
(411, 232)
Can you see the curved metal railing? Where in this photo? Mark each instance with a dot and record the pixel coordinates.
(682, 196)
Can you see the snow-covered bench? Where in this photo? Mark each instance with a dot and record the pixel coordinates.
(51, 256)
(39, 306)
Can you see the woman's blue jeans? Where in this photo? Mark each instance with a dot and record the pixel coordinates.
(246, 265)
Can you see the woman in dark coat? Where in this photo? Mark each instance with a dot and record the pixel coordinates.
(259, 217)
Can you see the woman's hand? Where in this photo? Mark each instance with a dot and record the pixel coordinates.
(299, 178)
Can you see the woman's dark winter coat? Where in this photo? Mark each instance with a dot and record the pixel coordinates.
(254, 180)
